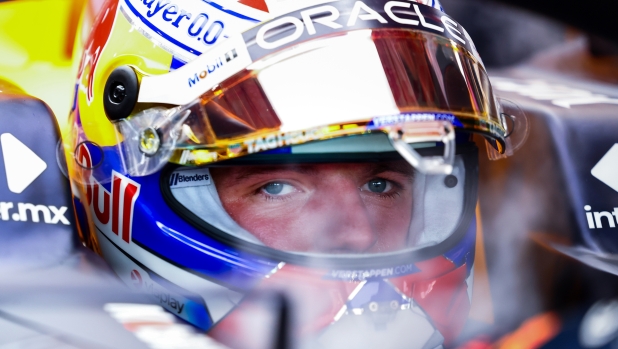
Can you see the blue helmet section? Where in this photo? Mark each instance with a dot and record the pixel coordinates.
(161, 231)
(463, 253)
(158, 229)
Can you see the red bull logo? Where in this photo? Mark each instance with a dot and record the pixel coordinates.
(113, 210)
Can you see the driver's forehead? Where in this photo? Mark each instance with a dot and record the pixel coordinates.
(239, 173)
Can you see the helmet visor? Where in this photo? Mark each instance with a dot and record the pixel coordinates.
(347, 84)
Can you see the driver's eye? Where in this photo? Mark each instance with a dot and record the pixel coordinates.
(378, 185)
(277, 188)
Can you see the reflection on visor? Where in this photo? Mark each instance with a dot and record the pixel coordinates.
(365, 75)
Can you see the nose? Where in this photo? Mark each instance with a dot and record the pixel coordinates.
(347, 226)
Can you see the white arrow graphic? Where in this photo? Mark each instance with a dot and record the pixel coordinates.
(22, 165)
(606, 170)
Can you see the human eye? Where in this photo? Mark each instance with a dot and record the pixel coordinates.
(378, 186)
(277, 188)
(381, 188)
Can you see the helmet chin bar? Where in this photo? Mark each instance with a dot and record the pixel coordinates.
(422, 132)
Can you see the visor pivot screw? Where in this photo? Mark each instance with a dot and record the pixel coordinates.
(120, 93)
(450, 181)
(373, 306)
(394, 305)
(149, 141)
(509, 124)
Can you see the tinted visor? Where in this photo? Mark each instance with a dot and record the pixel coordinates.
(340, 85)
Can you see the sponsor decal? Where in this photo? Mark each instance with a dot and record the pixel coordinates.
(170, 301)
(190, 81)
(215, 64)
(368, 274)
(168, 295)
(32, 213)
(595, 219)
(337, 17)
(136, 278)
(606, 170)
(190, 178)
(273, 141)
(412, 117)
(113, 211)
(189, 157)
(22, 167)
(189, 27)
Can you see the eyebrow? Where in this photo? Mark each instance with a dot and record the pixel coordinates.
(398, 167)
(252, 171)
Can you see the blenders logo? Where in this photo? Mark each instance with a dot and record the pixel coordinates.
(190, 178)
(113, 211)
(189, 27)
(210, 68)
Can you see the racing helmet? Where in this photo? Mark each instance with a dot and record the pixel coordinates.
(322, 149)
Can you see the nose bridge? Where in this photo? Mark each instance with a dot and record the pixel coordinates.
(349, 227)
